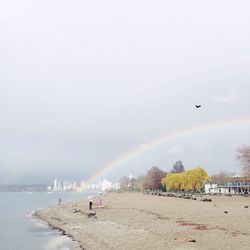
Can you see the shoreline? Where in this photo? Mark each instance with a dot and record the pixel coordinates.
(59, 239)
(137, 221)
(76, 244)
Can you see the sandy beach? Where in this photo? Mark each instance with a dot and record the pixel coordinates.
(138, 221)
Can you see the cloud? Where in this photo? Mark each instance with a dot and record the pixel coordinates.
(231, 97)
(175, 151)
(203, 144)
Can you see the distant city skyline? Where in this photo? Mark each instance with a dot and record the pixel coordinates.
(67, 186)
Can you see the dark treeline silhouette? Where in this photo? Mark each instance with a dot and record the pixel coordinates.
(178, 167)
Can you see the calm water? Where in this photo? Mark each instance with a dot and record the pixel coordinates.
(19, 231)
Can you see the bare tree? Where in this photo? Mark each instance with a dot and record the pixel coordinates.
(132, 184)
(178, 167)
(244, 158)
(221, 177)
(140, 183)
(124, 182)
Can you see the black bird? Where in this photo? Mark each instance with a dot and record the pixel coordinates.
(197, 106)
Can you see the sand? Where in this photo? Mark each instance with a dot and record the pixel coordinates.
(138, 221)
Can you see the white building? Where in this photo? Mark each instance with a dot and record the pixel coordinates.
(213, 188)
(55, 185)
(116, 186)
(232, 185)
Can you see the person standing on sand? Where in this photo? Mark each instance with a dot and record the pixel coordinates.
(59, 201)
(90, 199)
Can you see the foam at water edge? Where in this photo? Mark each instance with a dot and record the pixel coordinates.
(56, 242)
(59, 243)
(33, 212)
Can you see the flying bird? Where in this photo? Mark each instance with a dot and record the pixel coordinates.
(197, 106)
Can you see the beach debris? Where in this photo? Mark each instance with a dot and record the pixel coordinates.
(206, 199)
(193, 197)
(91, 214)
(192, 224)
(177, 195)
(76, 211)
(183, 195)
(245, 206)
(55, 218)
(161, 217)
(220, 228)
(235, 233)
(225, 212)
(186, 239)
(201, 227)
(157, 216)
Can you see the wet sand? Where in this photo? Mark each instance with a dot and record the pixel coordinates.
(137, 221)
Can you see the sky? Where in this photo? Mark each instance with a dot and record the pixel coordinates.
(84, 82)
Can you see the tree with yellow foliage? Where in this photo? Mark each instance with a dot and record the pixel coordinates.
(197, 178)
(192, 179)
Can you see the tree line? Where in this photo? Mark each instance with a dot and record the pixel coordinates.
(156, 179)
(179, 180)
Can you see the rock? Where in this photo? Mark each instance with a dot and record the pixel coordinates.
(245, 206)
(193, 197)
(225, 212)
(92, 213)
(186, 239)
(206, 199)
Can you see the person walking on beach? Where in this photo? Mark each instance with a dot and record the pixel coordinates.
(90, 199)
(59, 201)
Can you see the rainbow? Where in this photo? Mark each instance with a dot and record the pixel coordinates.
(165, 138)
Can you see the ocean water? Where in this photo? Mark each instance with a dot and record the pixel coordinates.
(20, 231)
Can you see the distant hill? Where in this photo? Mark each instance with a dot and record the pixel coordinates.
(23, 188)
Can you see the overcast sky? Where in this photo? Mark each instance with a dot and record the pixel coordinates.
(83, 82)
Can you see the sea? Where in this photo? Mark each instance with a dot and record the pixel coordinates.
(19, 230)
